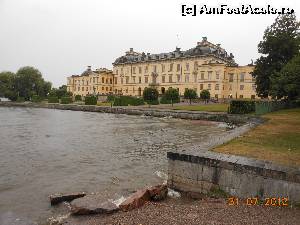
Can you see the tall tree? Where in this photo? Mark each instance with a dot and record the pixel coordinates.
(7, 81)
(172, 95)
(280, 44)
(286, 83)
(29, 82)
(190, 94)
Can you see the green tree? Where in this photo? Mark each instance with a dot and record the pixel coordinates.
(29, 82)
(7, 82)
(190, 94)
(172, 95)
(150, 95)
(60, 92)
(286, 83)
(280, 44)
(205, 95)
(78, 98)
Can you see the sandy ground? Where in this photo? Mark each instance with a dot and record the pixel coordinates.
(206, 212)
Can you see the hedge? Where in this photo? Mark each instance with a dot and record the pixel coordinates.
(66, 100)
(128, 100)
(20, 99)
(36, 98)
(78, 98)
(154, 102)
(53, 99)
(90, 100)
(164, 100)
(241, 107)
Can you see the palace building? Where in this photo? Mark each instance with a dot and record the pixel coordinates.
(206, 66)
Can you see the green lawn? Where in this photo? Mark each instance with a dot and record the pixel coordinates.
(276, 140)
(207, 107)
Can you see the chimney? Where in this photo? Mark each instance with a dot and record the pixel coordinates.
(131, 49)
(89, 68)
(218, 45)
(204, 39)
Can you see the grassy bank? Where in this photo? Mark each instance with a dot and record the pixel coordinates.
(207, 107)
(277, 140)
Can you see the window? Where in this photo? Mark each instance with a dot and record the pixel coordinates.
(195, 65)
(140, 80)
(187, 66)
(82, 88)
(154, 68)
(140, 70)
(106, 88)
(241, 87)
(217, 75)
(121, 80)
(102, 79)
(146, 80)
(201, 86)
(252, 96)
(178, 78)
(209, 75)
(209, 86)
(121, 70)
(171, 67)
(170, 78)
(163, 79)
(117, 72)
(146, 69)
(133, 79)
(241, 96)
(110, 88)
(195, 78)
(133, 70)
(231, 77)
(93, 79)
(116, 80)
(178, 67)
(230, 87)
(187, 78)
(253, 87)
(127, 80)
(111, 81)
(162, 68)
(78, 88)
(202, 75)
(242, 77)
(216, 96)
(87, 88)
(217, 87)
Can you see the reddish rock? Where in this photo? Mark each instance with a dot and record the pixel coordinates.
(92, 204)
(158, 192)
(58, 198)
(136, 200)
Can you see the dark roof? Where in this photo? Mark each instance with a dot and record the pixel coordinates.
(203, 48)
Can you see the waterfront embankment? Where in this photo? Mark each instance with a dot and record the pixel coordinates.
(180, 114)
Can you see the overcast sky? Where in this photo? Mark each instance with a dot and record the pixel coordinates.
(62, 37)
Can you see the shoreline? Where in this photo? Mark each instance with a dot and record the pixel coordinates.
(130, 110)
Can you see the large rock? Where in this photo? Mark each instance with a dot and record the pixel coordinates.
(58, 198)
(158, 192)
(136, 200)
(92, 204)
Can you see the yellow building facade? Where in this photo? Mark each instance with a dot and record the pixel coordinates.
(207, 66)
(99, 81)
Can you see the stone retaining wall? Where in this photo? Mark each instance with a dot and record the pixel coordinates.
(192, 115)
(238, 176)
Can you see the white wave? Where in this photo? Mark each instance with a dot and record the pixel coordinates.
(161, 175)
(118, 201)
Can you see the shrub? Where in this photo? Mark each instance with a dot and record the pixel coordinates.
(150, 95)
(164, 100)
(78, 98)
(66, 100)
(90, 100)
(205, 95)
(241, 107)
(53, 99)
(36, 98)
(172, 95)
(20, 99)
(190, 94)
(155, 102)
(110, 98)
(128, 100)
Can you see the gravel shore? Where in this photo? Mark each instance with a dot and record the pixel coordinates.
(183, 212)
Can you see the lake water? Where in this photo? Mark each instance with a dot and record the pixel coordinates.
(45, 151)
